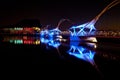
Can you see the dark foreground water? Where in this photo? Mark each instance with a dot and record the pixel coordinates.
(101, 59)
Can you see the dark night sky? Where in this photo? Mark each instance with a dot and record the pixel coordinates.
(50, 12)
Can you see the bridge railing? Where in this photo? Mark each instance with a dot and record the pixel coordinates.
(96, 33)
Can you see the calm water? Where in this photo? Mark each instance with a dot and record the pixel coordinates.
(101, 59)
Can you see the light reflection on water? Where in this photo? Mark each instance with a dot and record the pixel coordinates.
(22, 40)
(82, 49)
(81, 52)
(85, 50)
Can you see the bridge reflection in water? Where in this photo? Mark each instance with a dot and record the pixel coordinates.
(86, 50)
(77, 49)
(82, 48)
